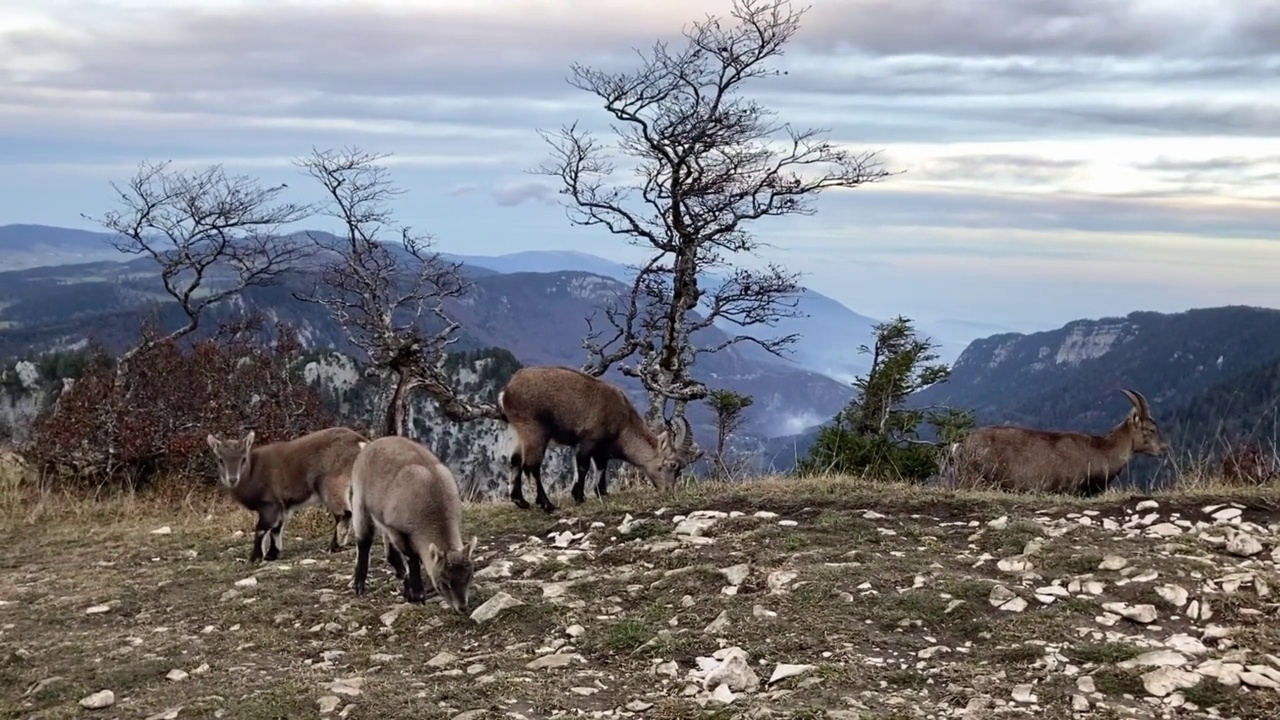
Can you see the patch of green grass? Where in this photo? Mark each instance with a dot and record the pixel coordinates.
(1023, 654)
(905, 678)
(1114, 681)
(1011, 539)
(1070, 561)
(628, 635)
(794, 542)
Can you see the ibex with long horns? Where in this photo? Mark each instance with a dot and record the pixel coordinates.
(1023, 459)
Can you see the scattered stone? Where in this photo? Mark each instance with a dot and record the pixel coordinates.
(492, 607)
(1173, 594)
(1015, 565)
(495, 569)
(1023, 694)
(328, 704)
(97, 609)
(1186, 644)
(1244, 545)
(162, 530)
(736, 574)
(778, 581)
(574, 631)
(1003, 598)
(1155, 658)
(177, 675)
(1165, 530)
(1112, 562)
(1164, 680)
(247, 582)
(442, 659)
(1226, 514)
(555, 660)
(389, 617)
(351, 687)
(99, 700)
(1143, 613)
(786, 670)
(729, 668)
(720, 623)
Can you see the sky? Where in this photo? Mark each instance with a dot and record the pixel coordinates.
(1051, 159)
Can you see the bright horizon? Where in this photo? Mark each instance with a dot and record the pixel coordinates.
(1057, 163)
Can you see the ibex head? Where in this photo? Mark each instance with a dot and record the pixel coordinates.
(232, 457)
(1146, 435)
(676, 449)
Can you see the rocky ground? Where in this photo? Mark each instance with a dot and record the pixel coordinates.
(785, 599)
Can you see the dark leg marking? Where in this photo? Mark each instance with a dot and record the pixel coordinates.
(601, 459)
(543, 500)
(362, 563)
(516, 481)
(396, 561)
(413, 590)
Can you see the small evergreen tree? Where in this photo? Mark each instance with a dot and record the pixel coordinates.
(875, 432)
(728, 406)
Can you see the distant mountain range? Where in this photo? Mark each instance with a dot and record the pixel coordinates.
(1209, 373)
(537, 315)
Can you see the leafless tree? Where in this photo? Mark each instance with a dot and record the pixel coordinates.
(382, 282)
(711, 161)
(213, 235)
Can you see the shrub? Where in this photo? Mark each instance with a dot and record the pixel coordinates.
(127, 427)
(838, 449)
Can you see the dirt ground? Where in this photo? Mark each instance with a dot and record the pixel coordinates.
(884, 596)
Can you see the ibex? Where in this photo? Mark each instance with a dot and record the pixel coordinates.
(401, 490)
(554, 403)
(276, 479)
(1027, 460)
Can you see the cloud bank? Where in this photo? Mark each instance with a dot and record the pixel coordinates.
(1058, 158)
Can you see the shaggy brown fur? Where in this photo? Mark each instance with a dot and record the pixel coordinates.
(551, 403)
(276, 479)
(1027, 460)
(401, 490)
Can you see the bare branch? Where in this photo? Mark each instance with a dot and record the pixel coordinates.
(384, 292)
(212, 235)
(709, 162)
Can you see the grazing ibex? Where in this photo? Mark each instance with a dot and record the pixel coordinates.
(401, 490)
(1026, 460)
(554, 403)
(276, 479)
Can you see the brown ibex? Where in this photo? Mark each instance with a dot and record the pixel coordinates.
(403, 492)
(552, 403)
(276, 479)
(1023, 459)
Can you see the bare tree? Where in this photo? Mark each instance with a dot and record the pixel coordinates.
(213, 235)
(710, 162)
(382, 290)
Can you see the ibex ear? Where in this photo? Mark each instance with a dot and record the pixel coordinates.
(434, 554)
(213, 442)
(248, 440)
(471, 549)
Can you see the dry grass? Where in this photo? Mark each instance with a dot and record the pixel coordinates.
(643, 598)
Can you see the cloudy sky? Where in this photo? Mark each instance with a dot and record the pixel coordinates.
(1058, 158)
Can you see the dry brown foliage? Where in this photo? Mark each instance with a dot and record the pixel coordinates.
(107, 428)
